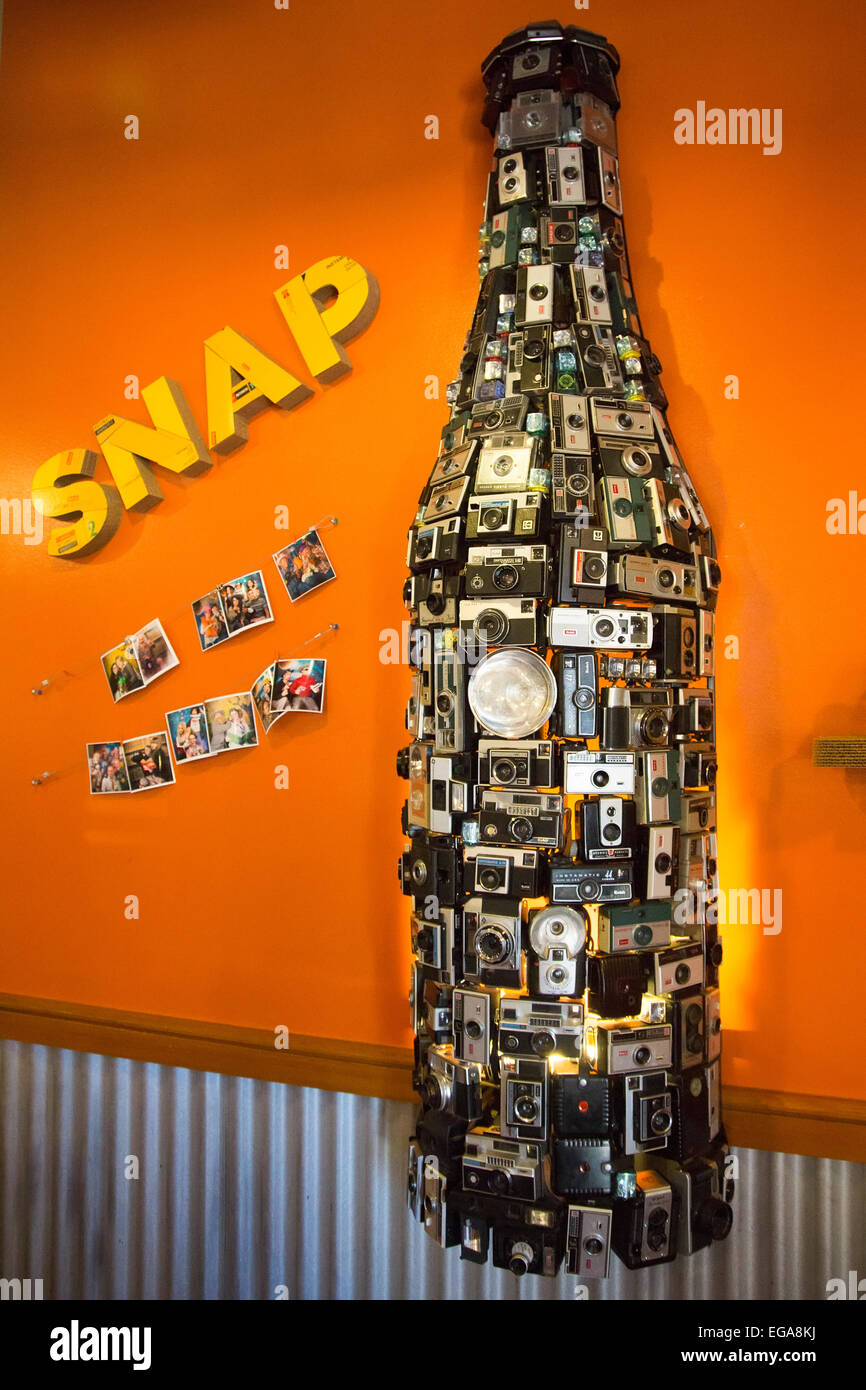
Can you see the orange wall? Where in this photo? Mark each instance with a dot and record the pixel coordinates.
(262, 907)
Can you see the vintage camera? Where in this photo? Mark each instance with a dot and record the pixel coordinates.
(449, 791)
(449, 692)
(696, 1111)
(706, 642)
(535, 117)
(694, 717)
(506, 462)
(452, 464)
(491, 942)
(429, 867)
(521, 818)
(648, 577)
(509, 413)
(657, 786)
(607, 628)
(569, 424)
(713, 1023)
(633, 928)
(615, 1047)
(599, 364)
(532, 1028)
(710, 576)
(581, 1167)
(435, 544)
(620, 458)
(695, 863)
(572, 485)
(446, 499)
(564, 172)
(433, 596)
(529, 361)
(523, 1113)
(557, 239)
(433, 941)
(698, 766)
(507, 569)
(588, 774)
(557, 938)
(687, 1015)
(615, 418)
(698, 813)
(501, 622)
(414, 763)
(669, 519)
(582, 564)
(580, 1103)
(472, 1026)
(519, 514)
(657, 860)
(506, 229)
(430, 1001)
(576, 713)
(675, 643)
(438, 1221)
(679, 966)
(510, 1168)
(646, 1113)
(590, 883)
(515, 178)
(589, 288)
(587, 1242)
(607, 829)
(705, 1214)
(645, 1226)
(534, 300)
(533, 1247)
(415, 1179)
(529, 763)
(610, 189)
(452, 1085)
(635, 718)
(514, 873)
(419, 707)
(623, 511)
(615, 984)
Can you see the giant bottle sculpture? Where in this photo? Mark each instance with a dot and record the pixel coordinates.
(560, 818)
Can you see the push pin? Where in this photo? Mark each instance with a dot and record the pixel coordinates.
(43, 777)
(38, 689)
(332, 627)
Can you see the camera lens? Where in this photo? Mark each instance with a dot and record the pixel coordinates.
(526, 1109)
(493, 420)
(688, 637)
(506, 577)
(694, 1014)
(423, 546)
(538, 291)
(654, 727)
(574, 421)
(682, 974)
(497, 238)
(490, 878)
(642, 935)
(624, 421)
(521, 829)
(600, 778)
(543, 1043)
(660, 786)
(642, 1055)
(557, 976)
(588, 889)
(657, 1229)
(438, 1093)
(665, 578)
(533, 348)
(678, 513)
(504, 771)
(610, 833)
(660, 1122)
(509, 165)
(604, 627)
(594, 567)
(662, 863)
(436, 604)
(503, 465)
(593, 1246)
(425, 939)
(512, 1042)
(564, 232)
(577, 484)
(419, 871)
(597, 293)
(473, 1028)
(492, 945)
(570, 172)
(491, 624)
(444, 702)
(594, 356)
(705, 717)
(714, 1218)
(500, 1181)
(637, 462)
(493, 517)
(584, 698)
(715, 953)
(622, 506)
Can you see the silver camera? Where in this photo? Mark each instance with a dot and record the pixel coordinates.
(449, 692)
(500, 622)
(506, 462)
(446, 499)
(606, 628)
(633, 928)
(565, 182)
(617, 417)
(557, 936)
(473, 1037)
(491, 950)
(533, 1028)
(590, 774)
(587, 1245)
(511, 1168)
(645, 576)
(524, 1086)
(649, 1115)
(569, 424)
(617, 1047)
(678, 967)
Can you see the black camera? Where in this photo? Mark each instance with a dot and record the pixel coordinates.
(429, 868)
(608, 829)
(507, 569)
(518, 763)
(645, 1226)
(582, 565)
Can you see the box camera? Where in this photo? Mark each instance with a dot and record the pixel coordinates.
(587, 1242)
(491, 942)
(710, 577)
(419, 707)
(452, 1085)
(599, 364)
(533, 1248)
(449, 692)
(557, 938)
(675, 643)
(694, 717)
(700, 1184)
(647, 1111)
(523, 1113)
(698, 767)
(669, 519)
(534, 302)
(706, 642)
(678, 967)
(572, 485)
(645, 1226)
(433, 596)
(506, 462)
(589, 288)
(446, 499)
(623, 511)
(658, 853)
(579, 1103)
(633, 928)
(615, 984)
(581, 1167)
(502, 871)
(433, 942)
(509, 413)
(519, 514)
(696, 1113)
(528, 361)
(590, 883)
(429, 867)
(510, 1168)
(507, 569)
(587, 774)
(636, 718)
(582, 564)
(529, 763)
(452, 464)
(648, 577)
(436, 543)
(564, 170)
(532, 1028)
(614, 418)
(500, 622)
(472, 1026)
(620, 458)
(415, 1179)
(431, 1004)
(521, 818)
(607, 628)
(687, 1014)
(569, 424)
(607, 829)
(619, 1046)
(576, 712)
(657, 786)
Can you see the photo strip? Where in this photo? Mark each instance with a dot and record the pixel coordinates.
(304, 565)
(138, 660)
(262, 690)
(214, 726)
(231, 608)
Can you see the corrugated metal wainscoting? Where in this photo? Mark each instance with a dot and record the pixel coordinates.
(245, 1186)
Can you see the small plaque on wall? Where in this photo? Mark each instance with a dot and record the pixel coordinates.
(839, 752)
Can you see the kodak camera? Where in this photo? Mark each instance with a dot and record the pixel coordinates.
(607, 628)
(571, 485)
(433, 942)
(521, 818)
(472, 1025)
(588, 774)
(576, 713)
(675, 643)
(657, 786)
(446, 499)
(582, 1167)
(678, 967)
(636, 718)
(590, 883)
(525, 764)
(705, 1214)
(534, 303)
(587, 1242)
(533, 1028)
(624, 512)
(433, 596)
(589, 289)
(647, 1111)
(599, 364)
(607, 829)
(508, 413)
(616, 1047)
(621, 459)
(645, 576)
(615, 984)
(580, 1103)
(510, 1168)
(501, 622)
(557, 938)
(491, 942)
(657, 860)
(633, 928)
(429, 866)
(449, 692)
(523, 1113)
(453, 463)
(645, 1226)
(519, 514)
(493, 570)
(506, 462)
(569, 424)
(614, 418)
(452, 1085)
(505, 872)
(670, 521)
(435, 544)
(582, 565)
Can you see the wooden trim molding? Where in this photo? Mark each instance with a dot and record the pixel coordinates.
(817, 1126)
